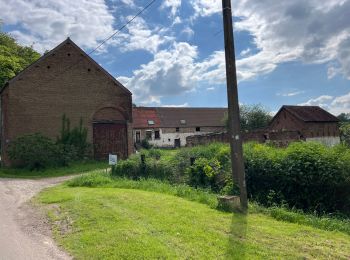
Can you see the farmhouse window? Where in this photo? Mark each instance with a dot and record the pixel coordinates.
(183, 122)
(150, 122)
(138, 137)
(156, 134)
(198, 129)
(149, 135)
(177, 129)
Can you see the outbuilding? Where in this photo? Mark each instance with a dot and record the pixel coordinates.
(312, 122)
(67, 81)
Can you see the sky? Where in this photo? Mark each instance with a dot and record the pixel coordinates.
(287, 52)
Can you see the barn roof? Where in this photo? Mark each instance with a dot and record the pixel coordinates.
(310, 113)
(68, 40)
(178, 117)
(143, 115)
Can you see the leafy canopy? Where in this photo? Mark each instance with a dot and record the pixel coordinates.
(13, 57)
(252, 117)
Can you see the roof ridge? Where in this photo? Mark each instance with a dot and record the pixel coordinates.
(56, 48)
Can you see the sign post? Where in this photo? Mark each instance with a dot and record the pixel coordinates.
(112, 160)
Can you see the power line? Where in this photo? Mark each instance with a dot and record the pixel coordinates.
(105, 40)
(122, 27)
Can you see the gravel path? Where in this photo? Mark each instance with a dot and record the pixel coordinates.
(25, 232)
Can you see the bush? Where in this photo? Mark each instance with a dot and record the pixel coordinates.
(74, 141)
(307, 176)
(34, 151)
(145, 144)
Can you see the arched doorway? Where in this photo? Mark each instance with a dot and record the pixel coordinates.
(110, 133)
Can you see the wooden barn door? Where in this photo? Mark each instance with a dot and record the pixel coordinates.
(110, 138)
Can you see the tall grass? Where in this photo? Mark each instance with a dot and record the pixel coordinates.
(329, 223)
(99, 179)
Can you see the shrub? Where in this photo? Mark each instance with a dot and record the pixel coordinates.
(345, 133)
(74, 141)
(130, 168)
(34, 151)
(145, 144)
(205, 173)
(306, 176)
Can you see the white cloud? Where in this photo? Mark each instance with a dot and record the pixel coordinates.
(206, 7)
(291, 94)
(245, 52)
(177, 20)
(171, 72)
(188, 32)
(310, 31)
(174, 5)
(141, 37)
(181, 105)
(47, 23)
(319, 101)
(210, 88)
(335, 105)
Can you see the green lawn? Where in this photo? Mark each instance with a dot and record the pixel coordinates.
(74, 168)
(117, 223)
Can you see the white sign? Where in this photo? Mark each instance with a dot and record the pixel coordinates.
(112, 159)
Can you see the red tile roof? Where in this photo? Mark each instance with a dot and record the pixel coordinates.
(141, 115)
(172, 117)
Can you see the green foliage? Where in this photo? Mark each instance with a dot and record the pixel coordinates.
(145, 144)
(344, 117)
(34, 151)
(123, 223)
(74, 141)
(345, 133)
(252, 117)
(325, 222)
(13, 57)
(205, 173)
(99, 179)
(73, 168)
(307, 176)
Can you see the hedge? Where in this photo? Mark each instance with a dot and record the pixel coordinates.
(307, 176)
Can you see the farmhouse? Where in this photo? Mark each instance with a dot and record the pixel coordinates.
(312, 122)
(169, 126)
(66, 81)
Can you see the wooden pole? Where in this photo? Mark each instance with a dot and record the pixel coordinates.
(238, 173)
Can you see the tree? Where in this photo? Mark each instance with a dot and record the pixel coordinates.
(345, 133)
(252, 117)
(344, 117)
(13, 57)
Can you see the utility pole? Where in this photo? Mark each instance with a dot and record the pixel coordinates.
(237, 162)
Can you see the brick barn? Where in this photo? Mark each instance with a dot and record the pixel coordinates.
(67, 81)
(312, 122)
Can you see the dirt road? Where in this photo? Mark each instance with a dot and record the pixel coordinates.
(24, 232)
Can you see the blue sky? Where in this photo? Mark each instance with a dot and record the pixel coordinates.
(288, 52)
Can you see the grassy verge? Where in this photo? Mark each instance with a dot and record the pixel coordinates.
(102, 180)
(119, 223)
(74, 168)
(99, 179)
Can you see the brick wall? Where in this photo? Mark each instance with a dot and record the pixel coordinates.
(37, 99)
(281, 138)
